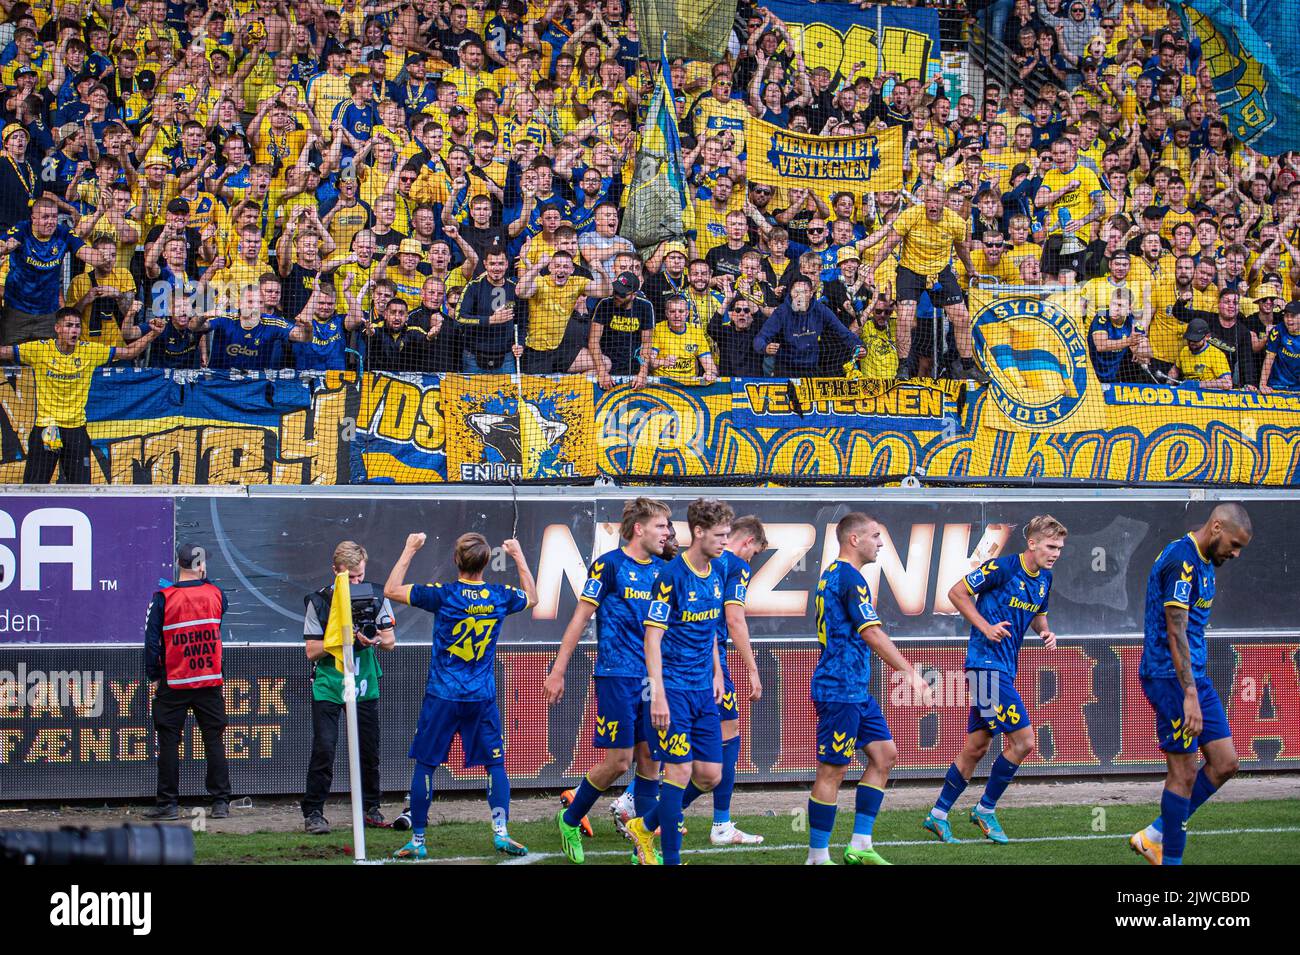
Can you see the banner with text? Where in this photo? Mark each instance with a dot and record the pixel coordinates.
(824, 164)
(841, 36)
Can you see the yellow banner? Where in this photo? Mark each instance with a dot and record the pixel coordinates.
(1034, 348)
(502, 428)
(825, 164)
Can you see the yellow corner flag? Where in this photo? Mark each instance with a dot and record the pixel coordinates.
(338, 632)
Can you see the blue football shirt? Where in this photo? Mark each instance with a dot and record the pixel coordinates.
(1285, 349)
(234, 346)
(844, 610)
(687, 607)
(735, 589)
(36, 268)
(327, 349)
(466, 626)
(1005, 591)
(1180, 577)
(621, 588)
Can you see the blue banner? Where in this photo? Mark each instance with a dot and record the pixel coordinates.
(849, 40)
(1256, 80)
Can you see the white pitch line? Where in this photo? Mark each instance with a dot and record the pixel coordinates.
(534, 857)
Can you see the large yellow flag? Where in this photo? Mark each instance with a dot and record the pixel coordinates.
(339, 627)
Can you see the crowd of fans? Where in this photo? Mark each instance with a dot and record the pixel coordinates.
(435, 186)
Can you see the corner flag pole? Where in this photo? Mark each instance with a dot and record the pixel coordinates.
(354, 752)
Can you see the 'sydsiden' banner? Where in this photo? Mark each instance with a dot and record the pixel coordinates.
(1044, 415)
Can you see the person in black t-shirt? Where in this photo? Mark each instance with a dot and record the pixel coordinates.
(734, 341)
(621, 325)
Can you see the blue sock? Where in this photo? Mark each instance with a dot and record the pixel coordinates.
(421, 797)
(1173, 816)
(670, 816)
(821, 820)
(722, 793)
(498, 797)
(1202, 790)
(866, 807)
(999, 779)
(691, 793)
(584, 797)
(645, 794)
(954, 784)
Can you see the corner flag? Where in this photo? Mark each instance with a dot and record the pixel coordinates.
(338, 631)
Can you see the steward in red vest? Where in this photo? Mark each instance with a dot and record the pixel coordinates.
(182, 658)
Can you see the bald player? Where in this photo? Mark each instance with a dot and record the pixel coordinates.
(1189, 715)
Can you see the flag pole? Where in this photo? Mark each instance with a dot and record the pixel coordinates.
(354, 751)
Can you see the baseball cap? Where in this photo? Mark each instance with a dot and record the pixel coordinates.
(410, 246)
(1292, 308)
(626, 284)
(1019, 169)
(178, 207)
(187, 555)
(458, 110)
(377, 55)
(847, 254)
(1120, 254)
(1198, 329)
(966, 141)
(1153, 212)
(67, 131)
(1088, 63)
(23, 71)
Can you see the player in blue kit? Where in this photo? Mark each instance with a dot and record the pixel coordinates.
(849, 720)
(460, 696)
(685, 677)
(746, 540)
(1189, 714)
(1013, 591)
(618, 591)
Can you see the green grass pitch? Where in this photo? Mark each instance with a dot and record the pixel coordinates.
(1246, 833)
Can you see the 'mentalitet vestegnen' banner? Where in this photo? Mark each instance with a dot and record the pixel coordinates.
(1254, 64)
(824, 164)
(840, 35)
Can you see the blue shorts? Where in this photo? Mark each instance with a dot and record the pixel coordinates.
(996, 706)
(618, 712)
(695, 732)
(477, 721)
(1165, 694)
(844, 727)
(729, 707)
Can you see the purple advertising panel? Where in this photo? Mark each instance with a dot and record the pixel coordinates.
(81, 569)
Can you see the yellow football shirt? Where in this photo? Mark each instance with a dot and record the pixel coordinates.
(550, 309)
(927, 246)
(62, 381)
(1206, 365)
(1077, 202)
(684, 347)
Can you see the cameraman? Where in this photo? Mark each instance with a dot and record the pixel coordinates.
(372, 622)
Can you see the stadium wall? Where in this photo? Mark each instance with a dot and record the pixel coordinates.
(76, 573)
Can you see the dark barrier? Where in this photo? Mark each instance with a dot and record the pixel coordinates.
(90, 734)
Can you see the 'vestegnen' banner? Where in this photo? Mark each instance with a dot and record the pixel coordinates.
(840, 35)
(1256, 80)
(824, 164)
(1034, 348)
(919, 404)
